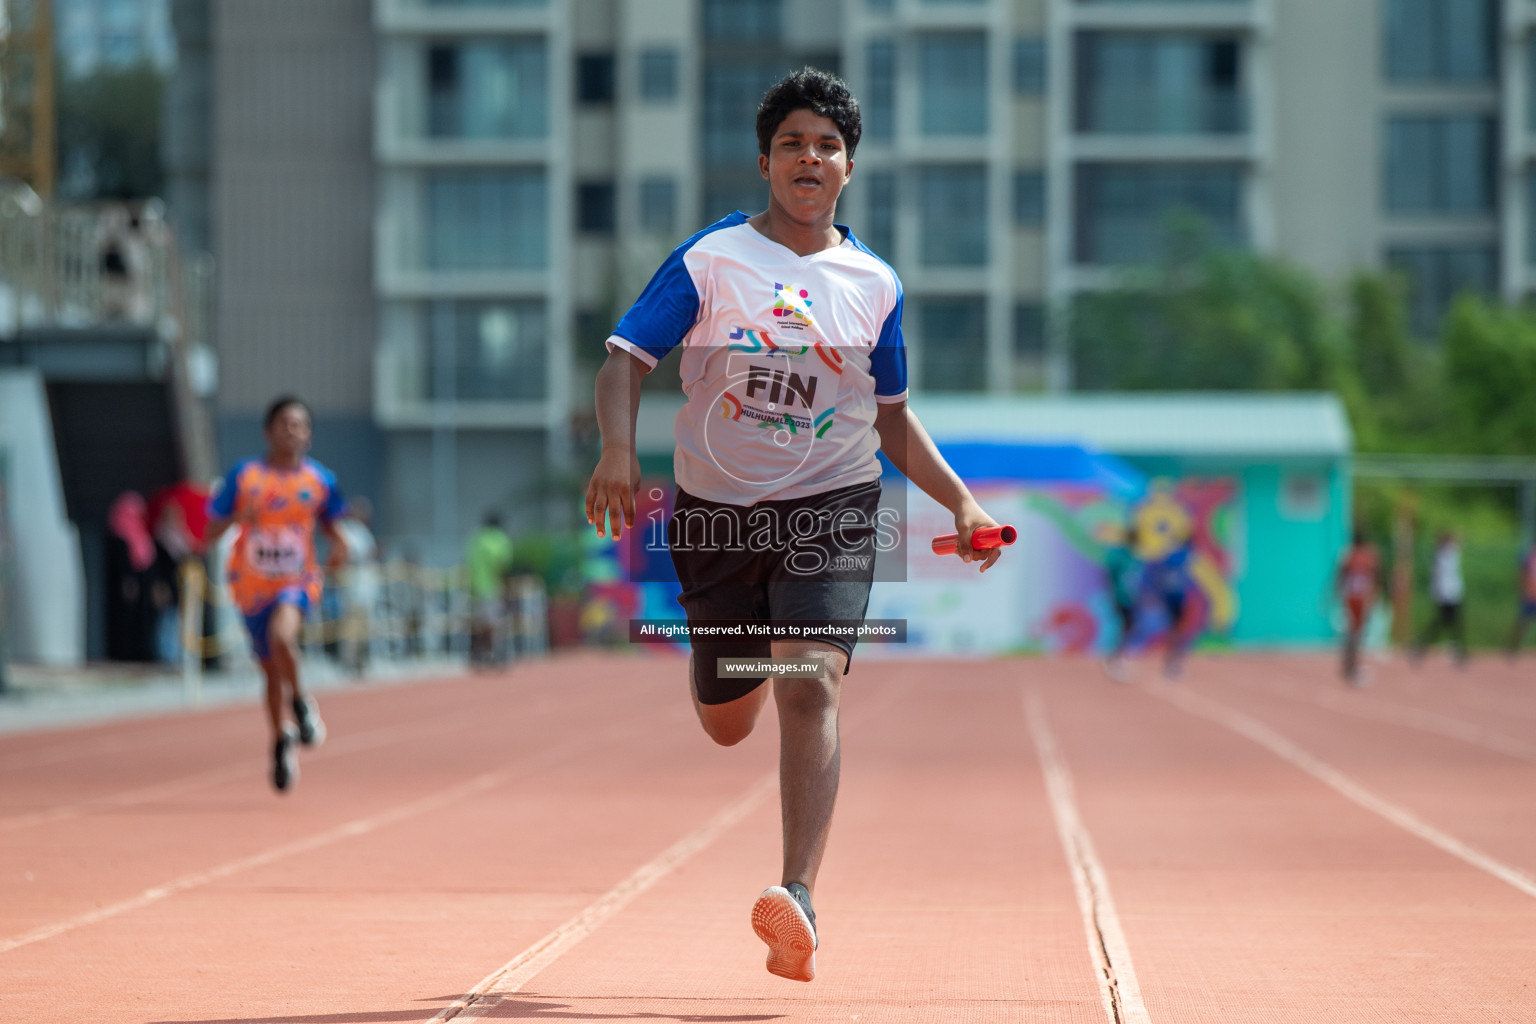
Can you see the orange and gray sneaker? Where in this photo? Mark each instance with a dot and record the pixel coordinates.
(783, 918)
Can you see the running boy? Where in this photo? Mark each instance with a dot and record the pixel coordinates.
(795, 373)
(1359, 582)
(273, 574)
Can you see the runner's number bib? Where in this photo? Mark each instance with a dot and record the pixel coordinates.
(277, 552)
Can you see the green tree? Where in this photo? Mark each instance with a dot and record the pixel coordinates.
(1382, 348)
(1490, 372)
(1398, 399)
(1208, 318)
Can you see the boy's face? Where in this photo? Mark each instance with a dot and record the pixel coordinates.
(290, 431)
(807, 164)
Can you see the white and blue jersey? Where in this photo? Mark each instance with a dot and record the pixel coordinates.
(785, 360)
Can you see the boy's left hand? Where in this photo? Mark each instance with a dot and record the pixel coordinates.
(969, 517)
(338, 557)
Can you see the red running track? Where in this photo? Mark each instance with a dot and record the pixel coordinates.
(1015, 840)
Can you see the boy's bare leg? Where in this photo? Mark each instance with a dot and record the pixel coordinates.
(276, 688)
(729, 723)
(810, 757)
(283, 642)
(809, 750)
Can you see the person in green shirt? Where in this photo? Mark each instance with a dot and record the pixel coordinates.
(488, 559)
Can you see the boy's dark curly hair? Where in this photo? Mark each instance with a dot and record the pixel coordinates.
(279, 404)
(820, 92)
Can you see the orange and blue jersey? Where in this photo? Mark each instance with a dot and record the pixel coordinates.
(276, 510)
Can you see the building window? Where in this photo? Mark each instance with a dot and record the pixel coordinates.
(498, 348)
(594, 78)
(1303, 497)
(658, 206)
(754, 21)
(1145, 84)
(880, 224)
(732, 91)
(953, 206)
(1029, 198)
(488, 90)
(1441, 40)
(1029, 66)
(952, 71)
(1441, 164)
(727, 195)
(1029, 345)
(595, 208)
(1125, 211)
(1437, 275)
(487, 220)
(658, 75)
(879, 107)
(954, 341)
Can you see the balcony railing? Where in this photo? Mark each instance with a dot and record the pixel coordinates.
(113, 265)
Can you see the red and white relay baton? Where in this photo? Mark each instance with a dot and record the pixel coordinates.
(982, 538)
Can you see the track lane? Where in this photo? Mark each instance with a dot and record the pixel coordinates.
(945, 894)
(400, 911)
(1247, 890)
(1477, 794)
(75, 866)
(1250, 891)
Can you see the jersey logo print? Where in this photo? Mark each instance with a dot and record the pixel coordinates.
(823, 423)
(755, 341)
(781, 384)
(831, 356)
(730, 406)
(792, 306)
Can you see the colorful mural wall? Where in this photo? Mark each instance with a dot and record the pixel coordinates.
(1049, 593)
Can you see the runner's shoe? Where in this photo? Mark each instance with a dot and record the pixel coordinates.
(783, 918)
(285, 760)
(311, 728)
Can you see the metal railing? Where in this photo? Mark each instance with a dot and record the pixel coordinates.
(112, 264)
(391, 613)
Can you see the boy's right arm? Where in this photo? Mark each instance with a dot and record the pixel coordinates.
(616, 480)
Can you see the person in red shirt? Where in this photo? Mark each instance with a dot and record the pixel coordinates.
(277, 501)
(1359, 582)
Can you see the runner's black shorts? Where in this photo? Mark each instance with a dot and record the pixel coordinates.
(801, 560)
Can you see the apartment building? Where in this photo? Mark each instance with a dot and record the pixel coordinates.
(532, 161)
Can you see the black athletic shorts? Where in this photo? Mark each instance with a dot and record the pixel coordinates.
(802, 560)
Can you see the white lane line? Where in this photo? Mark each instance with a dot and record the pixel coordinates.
(1118, 987)
(361, 826)
(1284, 748)
(1382, 710)
(511, 976)
(253, 768)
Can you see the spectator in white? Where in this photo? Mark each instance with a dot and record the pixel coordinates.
(362, 586)
(1447, 590)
